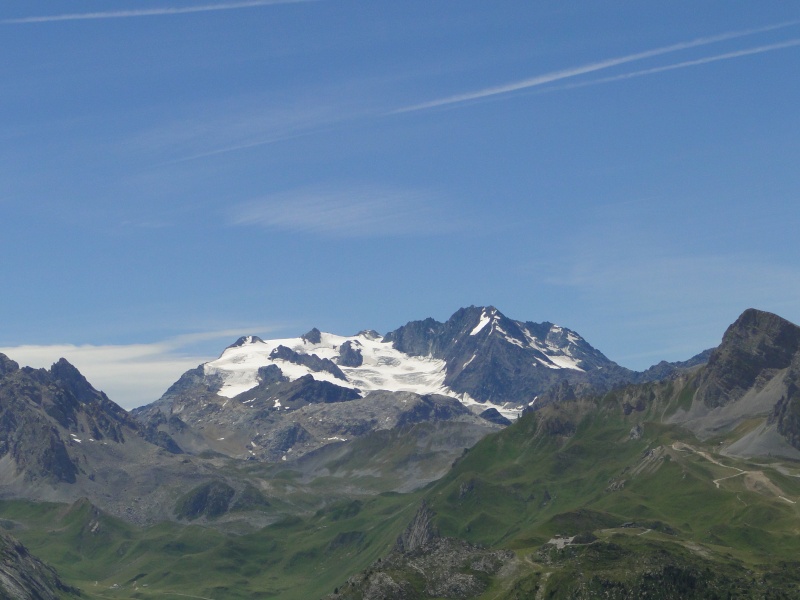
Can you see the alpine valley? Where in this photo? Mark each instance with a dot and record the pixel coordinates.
(481, 457)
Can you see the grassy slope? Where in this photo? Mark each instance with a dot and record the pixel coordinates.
(566, 470)
(296, 558)
(522, 487)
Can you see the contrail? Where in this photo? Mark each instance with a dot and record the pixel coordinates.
(149, 12)
(590, 68)
(681, 65)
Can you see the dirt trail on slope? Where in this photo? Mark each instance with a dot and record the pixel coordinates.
(754, 481)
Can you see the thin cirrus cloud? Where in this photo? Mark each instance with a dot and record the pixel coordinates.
(150, 12)
(131, 374)
(554, 76)
(356, 212)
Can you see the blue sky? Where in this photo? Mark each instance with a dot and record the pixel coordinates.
(175, 174)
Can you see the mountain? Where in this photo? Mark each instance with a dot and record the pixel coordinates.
(751, 377)
(279, 399)
(61, 439)
(490, 358)
(49, 418)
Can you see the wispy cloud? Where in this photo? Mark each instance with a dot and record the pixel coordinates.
(554, 76)
(131, 374)
(150, 12)
(213, 128)
(353, 212)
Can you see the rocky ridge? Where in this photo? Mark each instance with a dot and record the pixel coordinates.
(25, 577)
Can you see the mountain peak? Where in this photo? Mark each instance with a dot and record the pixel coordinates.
(370, 334)
(73, 380)
(7, 365)
(246, 340)
(760, 319)
(763, 334)
(312, 337)
(756, 341)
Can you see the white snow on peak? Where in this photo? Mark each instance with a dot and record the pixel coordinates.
(383, 367)
(561, 358)
(481, 324)
(547, 364)
(565, 362)
(508, 410)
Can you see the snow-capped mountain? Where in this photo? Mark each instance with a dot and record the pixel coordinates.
(277, 399)
(478, 356)
(491, 358)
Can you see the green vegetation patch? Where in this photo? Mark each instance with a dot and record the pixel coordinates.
(209, 500)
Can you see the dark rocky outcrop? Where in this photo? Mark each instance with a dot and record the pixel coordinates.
(312, 337)
(426, 565)
(210, 500)
(757, 342)
(312, 361)
(493, 416)
(420, 531)
(25, 577)
(349, 355)
(245, 340)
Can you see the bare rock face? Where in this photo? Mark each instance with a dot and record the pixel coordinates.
(46, 414)
(756, 343)
(496, 359)
(786, 415)
(312, 337)
(350, 355)
(312, 361)
(25, 577)
(420, 531)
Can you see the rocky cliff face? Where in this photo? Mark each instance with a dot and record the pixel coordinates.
(61, 439)
(755, 347)
(46, 415)
(25, 577)
(751, 377)
(285, 420)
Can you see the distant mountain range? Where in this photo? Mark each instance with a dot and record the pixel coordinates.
(279, 399)
(305, 431)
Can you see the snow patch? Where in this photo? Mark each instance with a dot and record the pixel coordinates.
(508, 410)
(481, 324)
(565, 362)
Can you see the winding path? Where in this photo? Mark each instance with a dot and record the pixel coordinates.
(755, 475)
